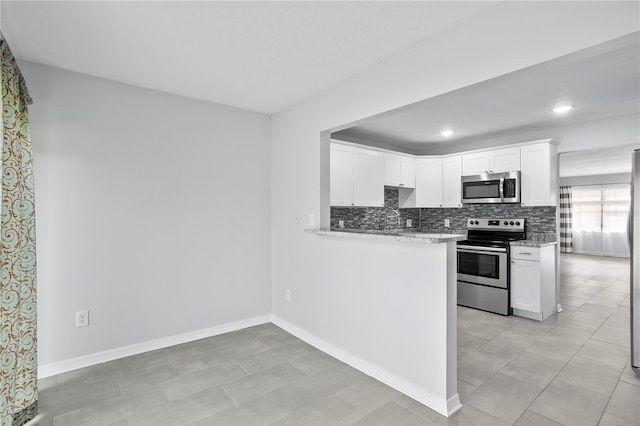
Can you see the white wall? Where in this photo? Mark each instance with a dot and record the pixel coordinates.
(508, 37)
(404, 317)
(152, 212)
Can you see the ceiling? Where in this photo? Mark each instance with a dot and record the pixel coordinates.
(260, 56)
(601, 82)
(268, 56)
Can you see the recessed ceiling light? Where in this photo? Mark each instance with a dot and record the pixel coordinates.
(561, 109)
(446, 132)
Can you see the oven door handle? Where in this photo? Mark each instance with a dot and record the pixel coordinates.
(474, 249)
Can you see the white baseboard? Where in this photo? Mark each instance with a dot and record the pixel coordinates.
(527, 314)
(441, 405)
(151, 345)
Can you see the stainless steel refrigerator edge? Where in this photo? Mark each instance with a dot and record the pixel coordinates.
(634, 245)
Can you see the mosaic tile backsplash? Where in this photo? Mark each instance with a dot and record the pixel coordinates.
(539, 220)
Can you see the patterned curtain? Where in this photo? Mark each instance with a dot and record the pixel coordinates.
(566, 246)
(18, 362)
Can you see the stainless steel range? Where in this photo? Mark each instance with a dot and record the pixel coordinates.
(483, 264)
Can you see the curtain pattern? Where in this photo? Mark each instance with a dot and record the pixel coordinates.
(18, 363)
(566, 245)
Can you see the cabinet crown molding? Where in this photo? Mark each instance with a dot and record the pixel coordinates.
(493, 148)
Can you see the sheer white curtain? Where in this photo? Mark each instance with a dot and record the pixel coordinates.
(600, 219)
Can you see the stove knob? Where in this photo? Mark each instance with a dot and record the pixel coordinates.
(511, 223)
(470, 222)
(477, 223)
(518, 223)
(506, 223)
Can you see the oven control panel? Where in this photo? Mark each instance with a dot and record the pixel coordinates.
(496, 224)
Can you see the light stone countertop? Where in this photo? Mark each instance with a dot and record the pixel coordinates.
(533, 243)
(409, 236)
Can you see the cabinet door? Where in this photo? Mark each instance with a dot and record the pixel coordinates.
(505, 160)
(451, 182)
(537, 187)
(368, 178)
(525, 285)
(392, 169)
(341, 172)
(408, 172)
(429, 182)
(475, 164)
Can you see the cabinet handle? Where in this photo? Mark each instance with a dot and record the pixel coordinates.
(524, 252)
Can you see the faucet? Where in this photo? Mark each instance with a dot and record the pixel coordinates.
(397, 214)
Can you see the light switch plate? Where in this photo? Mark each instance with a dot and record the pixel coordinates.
(446, 223)
(409, 223)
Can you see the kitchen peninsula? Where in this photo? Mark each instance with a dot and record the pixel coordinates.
(390, 252)
(403, 317)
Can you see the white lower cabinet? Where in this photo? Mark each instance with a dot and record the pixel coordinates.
(533, 281)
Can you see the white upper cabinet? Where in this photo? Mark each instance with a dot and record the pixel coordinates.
(428, 191)
(399, 170)
(341, 171)
(408, 172)
(539, 175)
(368, 178)
(494, 161)
(392, 169)
(359, 175)
(356, 176)
(504, 160)
(451, 182)
(475, 164)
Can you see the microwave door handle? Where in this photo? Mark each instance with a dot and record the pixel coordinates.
(501, 188)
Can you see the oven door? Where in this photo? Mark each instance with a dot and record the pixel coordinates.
(483, 265)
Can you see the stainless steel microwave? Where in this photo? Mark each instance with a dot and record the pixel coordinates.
(491, 188)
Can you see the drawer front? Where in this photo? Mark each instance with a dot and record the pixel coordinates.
(525, 253)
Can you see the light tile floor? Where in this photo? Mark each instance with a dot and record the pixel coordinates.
(573, 369)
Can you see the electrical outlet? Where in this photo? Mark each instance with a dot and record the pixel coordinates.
(82, 319)
(446, 223)
(287, 295)
(341, 223)
(409, 223)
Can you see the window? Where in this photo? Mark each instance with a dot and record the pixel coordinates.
(601, 208)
